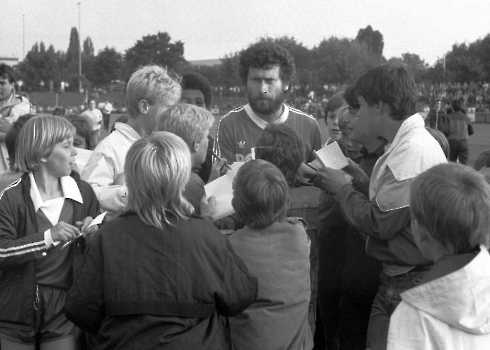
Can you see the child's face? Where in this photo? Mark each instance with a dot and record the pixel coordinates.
(79, 141)
(332, 120)
(352, 149)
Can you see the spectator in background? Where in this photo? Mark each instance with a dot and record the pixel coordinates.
(149, 90)
(437, 118)
(12, 106)
(332, 110)
(267, 70)
(459, 130)
(95, 117)
(106, 114)
(197, 90)
(9, 176)
(83, 136)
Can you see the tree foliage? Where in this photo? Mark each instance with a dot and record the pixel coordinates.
(373, 39)
(155, 49)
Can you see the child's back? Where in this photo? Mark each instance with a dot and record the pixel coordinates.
(450, 309)
(279, 257)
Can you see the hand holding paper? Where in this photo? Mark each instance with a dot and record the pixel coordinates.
(98, 220)
(222, 190)
(331, 156)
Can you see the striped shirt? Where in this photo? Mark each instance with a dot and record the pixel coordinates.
(239, 130)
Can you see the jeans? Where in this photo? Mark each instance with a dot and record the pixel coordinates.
(385, 303)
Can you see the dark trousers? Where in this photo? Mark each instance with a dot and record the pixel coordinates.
(106, 117)
(458, 150)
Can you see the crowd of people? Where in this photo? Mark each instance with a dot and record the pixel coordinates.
(387, 252)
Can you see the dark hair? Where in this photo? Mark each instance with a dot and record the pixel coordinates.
(196, 81)
(261, 194)
(11, 136)
(452, 201)
(482, 161)
(394, 85)
(350, 97)
(265, 55)
(83, 125)
(457, 105)
(334, 103)
(6, 72)
(281, 146)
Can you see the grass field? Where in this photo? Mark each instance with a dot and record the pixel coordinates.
(479, 142)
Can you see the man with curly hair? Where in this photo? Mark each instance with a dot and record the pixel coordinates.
(267, 71)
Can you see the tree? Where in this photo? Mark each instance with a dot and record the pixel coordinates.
(373, 40)
(73, 47)
(341, 61)
(229, 75)
(106, 67)
(155, 49)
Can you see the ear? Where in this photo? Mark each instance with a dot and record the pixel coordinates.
(195, 146)
(143, 106)
(286, 86)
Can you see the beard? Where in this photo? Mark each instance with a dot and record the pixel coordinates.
(264, 105)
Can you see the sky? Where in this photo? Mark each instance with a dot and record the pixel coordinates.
(211, 29)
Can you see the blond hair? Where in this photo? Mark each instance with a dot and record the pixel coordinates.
(151, 83)
(185, 120)
(157, 170)
(37, 139)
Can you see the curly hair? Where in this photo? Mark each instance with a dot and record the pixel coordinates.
(196, 81)
(265, 55)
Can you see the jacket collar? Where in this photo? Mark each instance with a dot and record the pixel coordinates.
(68, 186)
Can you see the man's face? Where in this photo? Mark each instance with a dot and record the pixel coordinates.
(5, 88)
(91, 105)
(265, 90)
(366, 125)
(193, 97)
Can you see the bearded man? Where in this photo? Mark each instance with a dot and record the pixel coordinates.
(267, 70)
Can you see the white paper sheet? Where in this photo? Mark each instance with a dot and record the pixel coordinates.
(222, 190)
(331, 156)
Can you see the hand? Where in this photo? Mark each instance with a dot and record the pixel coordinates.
(218, 169)
(306, 171)
(64, 232)
(84, 226)
(208, 206)
(355, 171)
(332, 180)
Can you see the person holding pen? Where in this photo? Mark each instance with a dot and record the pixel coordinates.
(43, 208)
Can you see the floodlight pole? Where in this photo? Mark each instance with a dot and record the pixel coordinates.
(79, 48)
(23, 37)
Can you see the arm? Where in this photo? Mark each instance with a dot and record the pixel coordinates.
(224, 142)
(239, 289)
(85, 300)
(316, 143)
(100, 174)
(15, 250)
(367, 217)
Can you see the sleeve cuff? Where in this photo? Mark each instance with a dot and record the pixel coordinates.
(47, 239)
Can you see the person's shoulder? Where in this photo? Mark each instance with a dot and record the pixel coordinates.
(234, 113)
(13, 188)
(300, 114)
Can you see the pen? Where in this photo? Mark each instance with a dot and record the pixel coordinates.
(216, 156)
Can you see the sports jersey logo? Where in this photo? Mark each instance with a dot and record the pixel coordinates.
(241, 144)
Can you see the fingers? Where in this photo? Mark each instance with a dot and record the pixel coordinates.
(208, 205)
(64, 232)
